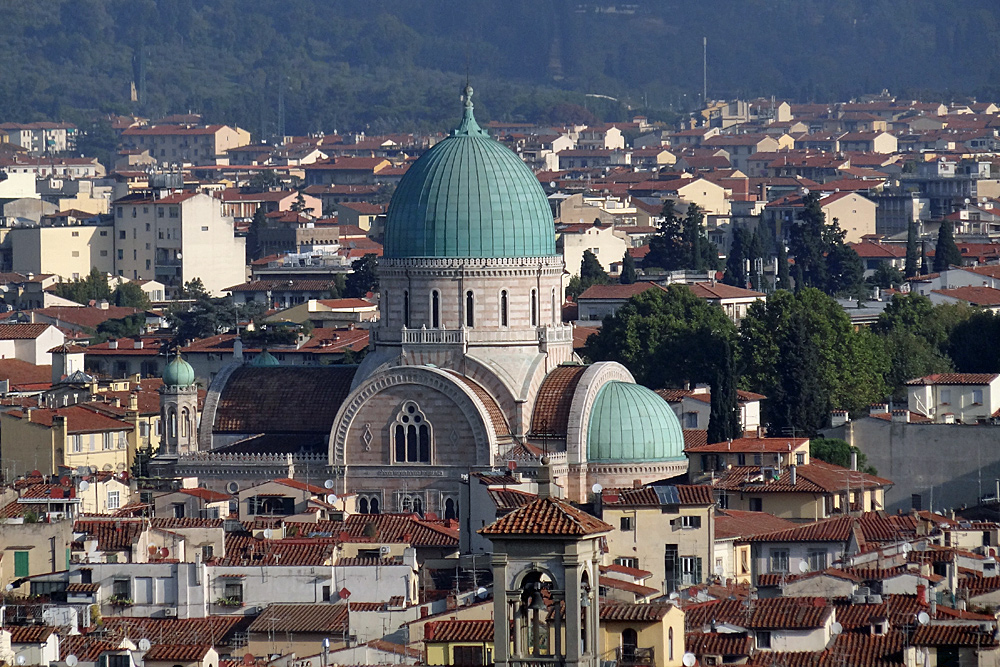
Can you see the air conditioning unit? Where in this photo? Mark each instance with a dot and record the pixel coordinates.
(384, 550)
(170, 612)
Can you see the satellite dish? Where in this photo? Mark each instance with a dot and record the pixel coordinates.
(597, 488)
(923, 618)
(108, 467)
(21, 660)
(836, 628)
(906, 548)
(675, 596)
(164, 552)
(803, 566)
(72, 660)
(481, 593)
(84, 485)
(689, 660)
(329, 484)
(233, 487)
(719, 570)
(268, 533)
(9, 587)
(144, 644)
(331, 498)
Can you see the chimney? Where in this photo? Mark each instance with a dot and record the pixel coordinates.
(854, 461)
(792, 474)
(238, 350)
(133, 402)
(760, 431)
(922, 593)
(546, 487)
(113, 344)
(137, 344)
(103, 304)
(878, 408)
(902, 416)
(933, 606)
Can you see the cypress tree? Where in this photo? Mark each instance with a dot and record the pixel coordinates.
(947, 253)
(628, 275)
(912, 256)
(724, 418)
(784, 277)
(736, 262)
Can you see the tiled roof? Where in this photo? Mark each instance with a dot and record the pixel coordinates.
(954, 378)
(249, 403)
(763, 614)
(86, 648)
(872, 527)
(618, 291)
(737, 523)
(178, 652)
(459, 631)
(85, 316)
(283, 286)
(318, 618)
(389, 528)
(815, 477)
(752, 445)
(111, 534)
(22, 331)
(508, 499)
(215, 630)
(955, 635)
(30, 634)
(20, 373)
(555, 396)
(79, 588)
(628, 571)
(628, 586)
(620, 611)
(722, 291)
(79, 419)
(207, 495)
(713, 643)
(547, 516)
(977, 295)
(169, 523)
(244, 551)
(700, 494)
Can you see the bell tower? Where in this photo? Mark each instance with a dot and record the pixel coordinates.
(546, 556)
(178, 410)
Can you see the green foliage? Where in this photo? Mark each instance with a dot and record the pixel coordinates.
(822, 259)
(254, 246)
(724, 418)
(736, 261)
(946, 253)
(838, 452)
(264, 181)
(802, 348)
(363, 279)
(123, 327)
(628, 275)
(974, 344)
(591, 273)
(784, 273)
(664, 337)
(911, 267)
(681, 243)
(130, 295)
(886, 276)
(84, 290)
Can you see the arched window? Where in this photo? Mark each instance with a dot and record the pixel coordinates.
(185, 423)
(435, 309)
(503, 308)
(555, 307)
(362, 505)
(470, 303)
(630, 642)
(406, 308)
(172, 424)
(405, 504)
(670, 644)
(450, 511)
(373, 506)
(411, 436)
(418, 506)
(534, 308)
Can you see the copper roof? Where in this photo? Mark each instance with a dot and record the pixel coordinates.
(319, 618)
(250, 403)
(459, 631)
(555, 396)
(547, 516)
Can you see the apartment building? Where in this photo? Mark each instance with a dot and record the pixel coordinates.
(175, 239)
(69, 251)
(180, 144)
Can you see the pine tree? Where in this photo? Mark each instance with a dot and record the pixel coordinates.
(912, 255)
(666, 249)
(628, 275)
(947, 253)
(724, 418)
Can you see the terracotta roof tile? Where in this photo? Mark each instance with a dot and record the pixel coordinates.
(752, 445)
(619, 611)
(30, 634)
(628, 587)
(617, 291)
(459, 631)
(22, 373)
(713, 643)
(954, 378)
(547, 516)
(22, 331)
(217, 630)
(249, 404)
(764, 614)
(955, 635)
(317, 618)
(555, 396)
(178, 652)
(737, 523)
(86, 648)
(497, 418)
(85, 316)
(508, 499)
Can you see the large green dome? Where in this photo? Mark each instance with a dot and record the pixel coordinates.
(178, 373)
(629, 423)
(469, 196)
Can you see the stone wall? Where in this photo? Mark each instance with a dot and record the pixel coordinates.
(946, 464)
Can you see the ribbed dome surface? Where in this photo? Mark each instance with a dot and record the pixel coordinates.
(629, 423)
(178, 373)
(469, 196)
(265, 358)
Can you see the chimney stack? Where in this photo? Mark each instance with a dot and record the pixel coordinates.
(854, 461)
(792, 474)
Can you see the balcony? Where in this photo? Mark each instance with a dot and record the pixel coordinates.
(627, 656)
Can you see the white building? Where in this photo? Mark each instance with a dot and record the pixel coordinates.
(955, 398)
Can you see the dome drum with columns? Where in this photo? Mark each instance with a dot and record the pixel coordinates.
(470, 364)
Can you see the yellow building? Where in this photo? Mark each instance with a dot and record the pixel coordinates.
(54, 440)
(466, 642)
(70, 251)
(666, 530)
(642, 634)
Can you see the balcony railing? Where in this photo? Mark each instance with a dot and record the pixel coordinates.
(634, 656)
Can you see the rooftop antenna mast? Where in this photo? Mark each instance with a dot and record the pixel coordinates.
(704, 70)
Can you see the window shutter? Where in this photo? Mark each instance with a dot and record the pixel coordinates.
(696, 522)
(697, 570)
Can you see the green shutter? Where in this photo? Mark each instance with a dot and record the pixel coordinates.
(67, 557)
(21, 567)
(697, 570)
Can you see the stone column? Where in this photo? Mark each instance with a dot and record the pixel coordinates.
(501, 610)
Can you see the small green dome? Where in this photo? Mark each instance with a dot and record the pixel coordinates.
(178, 373)
(265, 358)
(469, 196)
(629, 423)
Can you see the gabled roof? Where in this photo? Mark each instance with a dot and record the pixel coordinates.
(312, 618)
(22, 331)
(617, 291)
(977, 295)
(177, 652)
(738, 523)
(954, 379)
(622, 611)
(814, 477)
(791, 613)
(547, 516)
(459, 631)
(717, 290)
(751, 445)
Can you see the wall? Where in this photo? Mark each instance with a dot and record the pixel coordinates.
(607, 244)
(946, 464)
(28, 446)
(69, 252)
(47, 545)
(214, 254)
